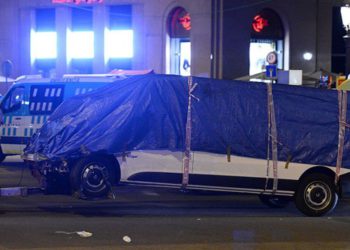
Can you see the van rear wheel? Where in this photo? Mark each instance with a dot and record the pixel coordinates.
(93, 177)
(316, 195)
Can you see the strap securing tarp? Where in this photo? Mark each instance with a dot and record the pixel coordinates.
(342, 104)
(187, 154)
(272, 140)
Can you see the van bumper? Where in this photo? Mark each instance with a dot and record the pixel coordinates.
(50, 175)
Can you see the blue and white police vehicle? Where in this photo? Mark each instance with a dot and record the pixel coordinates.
(32, 99)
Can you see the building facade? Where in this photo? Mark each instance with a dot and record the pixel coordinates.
(299, 31)
(31, 30)
(213, 38)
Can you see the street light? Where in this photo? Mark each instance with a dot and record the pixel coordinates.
(345, 16)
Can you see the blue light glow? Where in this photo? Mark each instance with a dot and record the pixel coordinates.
(119, 44)
(43, 45)
(80, 45)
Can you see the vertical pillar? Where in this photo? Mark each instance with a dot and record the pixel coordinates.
(100, 21)
(27, 20)
(63, 23)
(138, 25)
(216, 39)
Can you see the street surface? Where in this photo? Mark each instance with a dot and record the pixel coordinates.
(150, 218)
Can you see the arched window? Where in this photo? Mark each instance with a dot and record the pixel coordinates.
(178, 29)
(267, 35)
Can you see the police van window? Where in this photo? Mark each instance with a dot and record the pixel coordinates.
(58, 94)
(14, 100)
(44, 99)
(38, 105)
(35, 92)
(32, 106)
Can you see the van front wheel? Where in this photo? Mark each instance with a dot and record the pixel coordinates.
(316, 195)
(93, 177)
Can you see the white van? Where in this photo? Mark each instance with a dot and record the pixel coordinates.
(219, 135)
(32, 99)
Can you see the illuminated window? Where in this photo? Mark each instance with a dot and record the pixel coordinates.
(119, 44)
(185, 58)
(257, 55)
(80, 41)
(82, 19)
(43, 45)
(80, 45)
(43, 41)
(267, 35)
(178, 56)
(119, 38)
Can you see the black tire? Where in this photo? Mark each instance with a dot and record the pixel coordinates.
(94, 176)
(316, 195)
(274, 201)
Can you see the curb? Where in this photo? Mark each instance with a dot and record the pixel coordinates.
(19, 191)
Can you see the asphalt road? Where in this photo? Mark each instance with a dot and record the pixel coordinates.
(150, 218)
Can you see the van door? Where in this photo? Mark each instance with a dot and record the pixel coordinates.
(227, 172)
(13, 108)
(156, 167)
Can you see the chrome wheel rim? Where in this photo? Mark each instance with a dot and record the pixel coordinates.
(318, 195)
(94, 177)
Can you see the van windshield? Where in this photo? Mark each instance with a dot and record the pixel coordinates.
(13, 100)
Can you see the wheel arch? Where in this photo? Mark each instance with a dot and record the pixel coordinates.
(2, 155)
(319, 170)
(344, 183)
(115, 163)
(326, 171)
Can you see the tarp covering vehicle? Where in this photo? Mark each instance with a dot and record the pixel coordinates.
(149, 114)
(227, 114)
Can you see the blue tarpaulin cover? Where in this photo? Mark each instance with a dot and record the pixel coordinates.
(149, 113)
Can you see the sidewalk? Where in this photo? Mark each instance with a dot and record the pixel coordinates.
(14, 173)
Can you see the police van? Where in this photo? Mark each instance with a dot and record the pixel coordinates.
(32, 99)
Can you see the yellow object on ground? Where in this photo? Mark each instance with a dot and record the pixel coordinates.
(345, 85)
